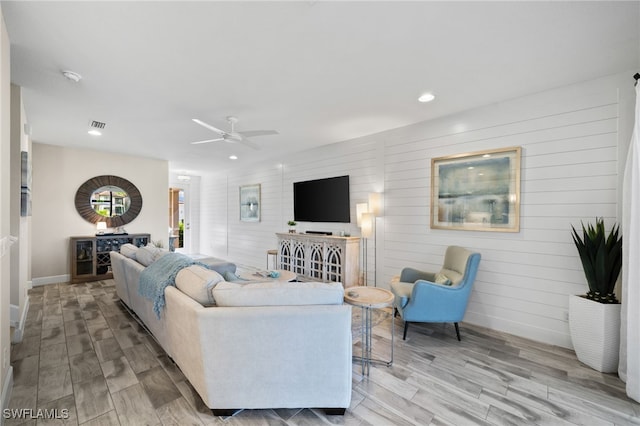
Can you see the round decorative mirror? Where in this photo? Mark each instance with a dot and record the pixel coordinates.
(109, 199)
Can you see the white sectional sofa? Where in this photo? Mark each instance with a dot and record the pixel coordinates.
(263, 345)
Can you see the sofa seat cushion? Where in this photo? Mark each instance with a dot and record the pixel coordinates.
(197, 282)
(278, 293)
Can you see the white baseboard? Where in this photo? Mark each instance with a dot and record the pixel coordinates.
(528, 331)
(51, 280)
(7, 386)
(19, 328)
(14, 316)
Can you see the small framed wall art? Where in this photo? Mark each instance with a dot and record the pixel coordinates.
(250, 203)
(477, 191)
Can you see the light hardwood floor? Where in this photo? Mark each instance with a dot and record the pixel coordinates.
(84, 353)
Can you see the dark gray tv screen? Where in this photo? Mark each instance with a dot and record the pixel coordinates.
(322, 200)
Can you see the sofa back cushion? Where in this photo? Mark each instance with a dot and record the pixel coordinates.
(197, 282)
(278, 293)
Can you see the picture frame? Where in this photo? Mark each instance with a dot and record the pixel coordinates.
(250, 203)
(477, 191)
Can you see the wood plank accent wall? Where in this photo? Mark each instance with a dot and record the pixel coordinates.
(569, 173)
(574, 142)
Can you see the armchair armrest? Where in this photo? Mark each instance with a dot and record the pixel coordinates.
(433, 302)
(411, 275)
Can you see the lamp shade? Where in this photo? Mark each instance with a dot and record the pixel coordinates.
(375, 203)
(360, 208)
(366, 225)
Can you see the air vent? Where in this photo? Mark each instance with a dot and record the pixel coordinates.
(97, 124)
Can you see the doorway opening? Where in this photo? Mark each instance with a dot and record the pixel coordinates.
(176, 219)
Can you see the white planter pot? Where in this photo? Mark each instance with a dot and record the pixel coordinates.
(595, 333)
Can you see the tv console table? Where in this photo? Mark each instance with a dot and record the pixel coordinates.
(320, 257)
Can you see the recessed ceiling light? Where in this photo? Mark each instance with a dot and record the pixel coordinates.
(426, 97)
(233, 157)
(73, 76)
(94, 132)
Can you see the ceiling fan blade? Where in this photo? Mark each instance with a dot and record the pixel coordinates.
(247, 142)
(207, 141)
(209, 126)
(259, 133)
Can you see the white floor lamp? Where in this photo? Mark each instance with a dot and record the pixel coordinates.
(360, 209)
(366, 228)
(375, 208)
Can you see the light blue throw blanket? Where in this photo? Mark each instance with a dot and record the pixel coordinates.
(160, 274)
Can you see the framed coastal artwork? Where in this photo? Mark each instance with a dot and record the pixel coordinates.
(478, 191)
(250, 203)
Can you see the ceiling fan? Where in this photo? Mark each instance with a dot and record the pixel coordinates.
(233, 136)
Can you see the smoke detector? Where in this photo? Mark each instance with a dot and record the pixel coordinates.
(73, 76)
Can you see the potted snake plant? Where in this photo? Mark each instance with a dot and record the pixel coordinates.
(594, 318)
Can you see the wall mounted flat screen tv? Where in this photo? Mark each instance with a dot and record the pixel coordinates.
(322, 200)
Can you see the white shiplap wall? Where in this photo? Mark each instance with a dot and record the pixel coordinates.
(572, 140)
(569, 139)
(223, 234)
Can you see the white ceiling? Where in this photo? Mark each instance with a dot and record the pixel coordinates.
(318, 72)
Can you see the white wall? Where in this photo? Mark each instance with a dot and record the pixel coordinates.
(6, 375)
(573, 142)
(20, 225)
(223, 234)
(58, 172)
(570, 172)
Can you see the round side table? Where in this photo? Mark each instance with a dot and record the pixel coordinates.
(369, 298)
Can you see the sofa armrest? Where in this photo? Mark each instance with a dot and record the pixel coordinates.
(119, 278)
(263, 357)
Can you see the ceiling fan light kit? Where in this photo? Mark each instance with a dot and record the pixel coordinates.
(71, 75)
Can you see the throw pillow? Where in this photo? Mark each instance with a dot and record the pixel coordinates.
(442, 279)
(129, 250)
(278, 293)
(197, 282)
(147, 255)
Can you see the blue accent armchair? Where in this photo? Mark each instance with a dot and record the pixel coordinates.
(437, 297)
